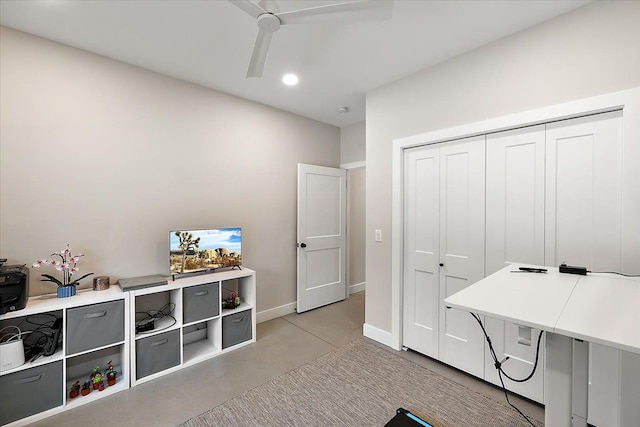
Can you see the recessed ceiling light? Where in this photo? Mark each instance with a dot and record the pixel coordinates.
(290, 79)
(343, 110)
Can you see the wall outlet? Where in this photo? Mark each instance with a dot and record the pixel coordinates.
(378, 235)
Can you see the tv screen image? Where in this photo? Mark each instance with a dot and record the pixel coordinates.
(192, 251)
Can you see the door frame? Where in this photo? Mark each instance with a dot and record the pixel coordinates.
(626, 100)
(349, 167)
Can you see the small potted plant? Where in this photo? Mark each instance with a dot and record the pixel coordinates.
(86, 388)
(67, 263)
(96, 378)
(75, 390)
(232, 302)
(110, 373)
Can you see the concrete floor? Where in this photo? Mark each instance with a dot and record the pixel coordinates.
(282, 344)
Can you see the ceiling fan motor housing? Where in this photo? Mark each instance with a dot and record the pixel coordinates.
(269, 22)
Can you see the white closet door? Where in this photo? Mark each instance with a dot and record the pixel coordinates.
(462, 224)
(583, 226)
(515, 233)
(584, 192)
(421, 281)
(515, 197)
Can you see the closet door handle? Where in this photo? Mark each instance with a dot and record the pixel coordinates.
(303, 245)
(441, 264)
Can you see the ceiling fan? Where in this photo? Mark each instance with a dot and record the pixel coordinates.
(269, 22)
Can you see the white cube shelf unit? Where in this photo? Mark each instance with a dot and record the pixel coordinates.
(189, 324)
(94, 331)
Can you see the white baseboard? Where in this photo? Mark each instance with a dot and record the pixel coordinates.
(274, 313)
(283, 310)
(358, 287)
(383, 337)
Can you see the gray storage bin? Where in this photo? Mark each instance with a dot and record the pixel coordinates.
(157, 353)
(28, 392)
(201, 302)
(94, 326)
(236, 328)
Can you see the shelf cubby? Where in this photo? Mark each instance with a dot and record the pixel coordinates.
(164, 307)
(200, 341)
(80, 368)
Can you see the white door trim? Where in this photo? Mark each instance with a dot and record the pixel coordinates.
(627, 100)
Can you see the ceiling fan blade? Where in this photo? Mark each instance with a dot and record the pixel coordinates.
(259, 54)
(361, 10)
(248, 7)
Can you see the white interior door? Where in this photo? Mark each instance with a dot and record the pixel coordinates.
(515, 233)
(462, 225)
(421, 250)
(322, 201)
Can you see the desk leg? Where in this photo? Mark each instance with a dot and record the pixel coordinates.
(580, 396)
(565, 382)
(558, 382)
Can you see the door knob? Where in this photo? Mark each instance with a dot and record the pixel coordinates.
(303, 245)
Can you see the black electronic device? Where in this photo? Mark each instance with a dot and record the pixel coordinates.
(54, 339)
(145, 326)
(14, 287)
(569, 269)
(405, 418)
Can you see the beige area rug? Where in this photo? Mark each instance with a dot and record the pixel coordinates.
(359, 384)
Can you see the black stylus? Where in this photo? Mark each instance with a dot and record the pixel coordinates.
(530, 270)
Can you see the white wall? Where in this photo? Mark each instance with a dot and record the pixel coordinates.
(590, 51)
(110, 157)
(352, 143)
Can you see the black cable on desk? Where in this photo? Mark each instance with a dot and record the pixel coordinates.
(614, 272)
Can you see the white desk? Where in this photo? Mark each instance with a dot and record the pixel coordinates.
(518, 297)
(603, 309)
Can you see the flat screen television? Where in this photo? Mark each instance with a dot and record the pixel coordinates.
(196, 251)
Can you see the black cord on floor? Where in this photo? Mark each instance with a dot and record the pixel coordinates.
(498, 366)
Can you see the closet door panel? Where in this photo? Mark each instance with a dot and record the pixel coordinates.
(584, 192)
(462, 222)
(515, 233)
(583, 226)
(421, 250)
(515, 197)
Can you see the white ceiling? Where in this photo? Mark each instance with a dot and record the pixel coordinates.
(209, 42)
